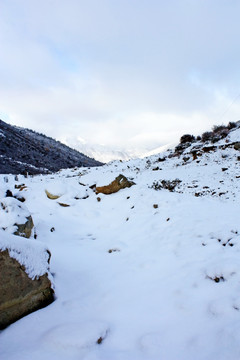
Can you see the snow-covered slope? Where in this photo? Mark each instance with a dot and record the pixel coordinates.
(151, 272)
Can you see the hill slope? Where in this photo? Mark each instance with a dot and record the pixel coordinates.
(150, 272)
(23, 150)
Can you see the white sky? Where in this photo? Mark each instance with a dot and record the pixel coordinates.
(125, 73)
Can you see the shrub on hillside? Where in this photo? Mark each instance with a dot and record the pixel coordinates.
(218, 128)
(187, 138)
(231, 125)
(218, 133)
(207, 136)
(166, 184)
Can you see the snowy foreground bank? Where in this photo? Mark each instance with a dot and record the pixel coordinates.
(142, 274)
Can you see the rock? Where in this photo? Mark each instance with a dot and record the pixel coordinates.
(19, 294)
(207, 149)
(21, 187)
(121, 182)
(195, 154)
(51, 196)
(237, 146)
(63, 204)
(113, 250)
(15, 217)
(17, 196)
(9, 193)
(25, 229)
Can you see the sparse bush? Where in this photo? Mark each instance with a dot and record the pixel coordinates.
(218, 128)
(207, 136)
(223, 133)
(181, 147)
(231, 125)
(187, 138)
(219, 132)
(166, 184)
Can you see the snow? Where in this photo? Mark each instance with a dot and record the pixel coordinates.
(134, 281)
(234, 135)
(12, 212)
(32, 255)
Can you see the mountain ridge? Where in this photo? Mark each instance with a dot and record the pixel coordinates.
(26, 151)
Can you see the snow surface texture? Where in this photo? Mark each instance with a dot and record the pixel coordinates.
(142, 274)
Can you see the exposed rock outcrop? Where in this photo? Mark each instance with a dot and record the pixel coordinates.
(121, 182)
(15, 217)
(237, 146)
(52, 196)
(19, 294)
(25, 229)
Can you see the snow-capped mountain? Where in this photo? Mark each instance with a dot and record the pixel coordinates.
(146, 273)
(104, 153)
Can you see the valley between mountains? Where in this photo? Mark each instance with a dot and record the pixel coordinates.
(149, 272)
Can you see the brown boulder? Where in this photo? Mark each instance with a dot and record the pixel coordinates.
(25, 229)
(52, 196)
(121, 182)
(19, 294)
(237, 146)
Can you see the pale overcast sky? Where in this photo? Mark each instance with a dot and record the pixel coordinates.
(120, 72)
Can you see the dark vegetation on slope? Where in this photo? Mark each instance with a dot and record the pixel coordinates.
(218, 132)
(25, 151)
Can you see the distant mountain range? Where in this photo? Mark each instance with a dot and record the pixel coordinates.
(26, 151)
(106, 154)
(103, 153)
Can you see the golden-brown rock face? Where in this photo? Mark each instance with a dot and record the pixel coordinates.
(121, 182)
(20, 295)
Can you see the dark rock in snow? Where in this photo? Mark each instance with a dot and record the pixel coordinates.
(25, 229)
(237, 146)
(10, 209)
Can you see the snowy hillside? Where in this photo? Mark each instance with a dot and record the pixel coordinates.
(148, 273)
(23, 150)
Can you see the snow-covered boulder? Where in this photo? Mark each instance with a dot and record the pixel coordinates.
(25, 284)
(15, 217)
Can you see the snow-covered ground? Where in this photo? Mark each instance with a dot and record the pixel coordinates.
(142, 274)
